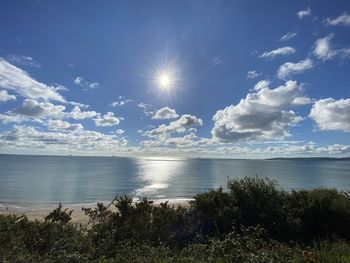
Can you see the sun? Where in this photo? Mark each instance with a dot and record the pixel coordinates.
(164, 81)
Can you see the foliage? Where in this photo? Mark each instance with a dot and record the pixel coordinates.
(253, 221)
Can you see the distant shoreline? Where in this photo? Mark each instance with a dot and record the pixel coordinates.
(321, 158)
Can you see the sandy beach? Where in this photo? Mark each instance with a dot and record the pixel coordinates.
(78, 215)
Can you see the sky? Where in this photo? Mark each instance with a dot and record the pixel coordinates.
(228, 79)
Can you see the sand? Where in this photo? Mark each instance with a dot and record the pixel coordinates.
(78, 216)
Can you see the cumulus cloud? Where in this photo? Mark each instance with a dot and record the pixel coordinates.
(4, 96)
(29, 108)
(23, 60)
(13, 78)
(290, 68)
(253, 74)
(304, 13)
(288, 36)
(216, 61)
(331, 114)
(165, 113)
(78, 114)
(283, 51)
(107, 120)
(264, 114)
(180, 125)
(343, 20)
(64, 125)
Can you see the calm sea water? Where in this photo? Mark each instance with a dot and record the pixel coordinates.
(44, 181)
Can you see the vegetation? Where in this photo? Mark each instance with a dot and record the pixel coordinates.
(253, 221)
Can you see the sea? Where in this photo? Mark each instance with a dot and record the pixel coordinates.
(33, 182)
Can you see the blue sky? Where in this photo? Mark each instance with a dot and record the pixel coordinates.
(244, 79)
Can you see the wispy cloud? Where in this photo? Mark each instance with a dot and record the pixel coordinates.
(343, 20)
(23, 60)
(323, 49)
(16, 79)
(288, 36)
(80, 81)
(283, 51)
(252, 74)
(304, 13)
(290, 68)
(216, 61)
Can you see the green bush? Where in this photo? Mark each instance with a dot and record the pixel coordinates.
(253, 221)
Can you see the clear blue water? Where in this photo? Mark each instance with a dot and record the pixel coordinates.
(44, 181)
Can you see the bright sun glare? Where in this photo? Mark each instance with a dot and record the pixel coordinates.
(164, 81)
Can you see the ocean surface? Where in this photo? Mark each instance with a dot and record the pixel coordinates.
(44, 181)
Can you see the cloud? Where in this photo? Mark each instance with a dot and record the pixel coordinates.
(13, 78)
(290, 68)
(304, 13)
(107, 120)
(23, 138)
(165, 113)
(264, 114)
(23, 60)
(147, 108)
(120, 102)
(216, 61)
(288, 36)
(331, 114)
(80, 81)
(77, 114)
(29, 108)
(323, 49)
(119, 131)
(64, 125)
(4, 96)
(253, 74)
(283, 51)
(343, 20)
(180, 125)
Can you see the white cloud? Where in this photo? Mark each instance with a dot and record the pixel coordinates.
(180, 125)
(304, 13)
(80, 81)
(147, 108)
(283, 51)
(107, 120)
(343, 20)
(13, 78)
(120, 102)
(23, 138)
(331, 114)
(64, 125)
(119, 131)
(165, 113)
(4, 96)
(323, 49)
(23, 60)
(290, 68)
(253, 74)
(288, 36)
(77, 114)
(263, 114)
